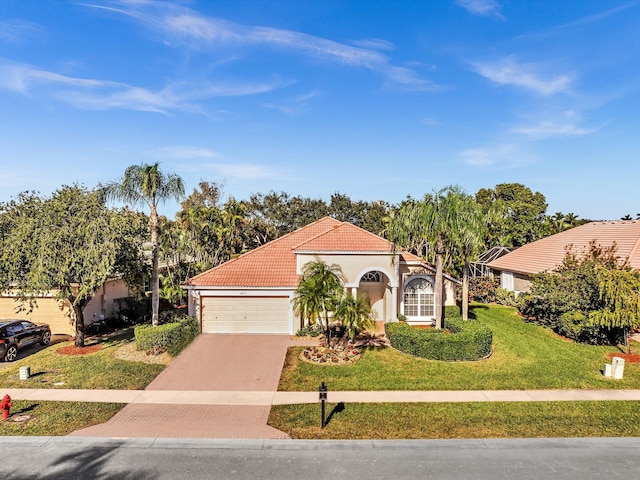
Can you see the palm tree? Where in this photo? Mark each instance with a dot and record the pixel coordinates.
(431, 222)
(354, 313)
(147, 185)
(318, 293)
(469, 236)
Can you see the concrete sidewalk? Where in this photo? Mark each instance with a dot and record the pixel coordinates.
(268, 398)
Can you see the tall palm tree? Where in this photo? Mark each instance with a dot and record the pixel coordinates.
(469, 238)
(318, 293)
(147, 185)
(432, 222)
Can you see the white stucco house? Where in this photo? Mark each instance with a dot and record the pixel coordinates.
(253, 293)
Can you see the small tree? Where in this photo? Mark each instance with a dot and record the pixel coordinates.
(318, 293)
(620, 292)
(354, 313)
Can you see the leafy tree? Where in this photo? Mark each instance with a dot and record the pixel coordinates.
(620, 293)
(147, 185)
(318, 294)
(572, 294)
(523, 214)
(429, 223)
(70, 244)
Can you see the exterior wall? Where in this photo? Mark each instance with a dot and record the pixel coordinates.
(354, 265)
(46, 310)
(102, 304)
(515, 282)
(380, 297)
(521, 283)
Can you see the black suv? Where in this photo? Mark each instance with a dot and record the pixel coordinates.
(17, 334)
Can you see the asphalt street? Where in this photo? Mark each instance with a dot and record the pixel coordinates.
(137, 459)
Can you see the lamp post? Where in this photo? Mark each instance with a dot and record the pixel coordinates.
(322, 393)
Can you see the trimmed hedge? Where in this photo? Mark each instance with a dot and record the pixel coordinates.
(459, 340)
(172, 337)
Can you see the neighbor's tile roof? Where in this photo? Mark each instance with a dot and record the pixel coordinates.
(548, 253)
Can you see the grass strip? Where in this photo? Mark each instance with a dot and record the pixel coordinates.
(98, 370)
(525, 356)
(460, 420)
(55, 418)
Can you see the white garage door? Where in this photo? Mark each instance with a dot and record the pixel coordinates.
(245, 315)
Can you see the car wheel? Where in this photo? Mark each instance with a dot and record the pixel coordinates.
(46, 338)
(11, 353)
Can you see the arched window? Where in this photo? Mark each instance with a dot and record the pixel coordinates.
(373, 277)
(419, 300)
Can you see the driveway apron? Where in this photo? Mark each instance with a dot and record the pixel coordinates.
(210, 363)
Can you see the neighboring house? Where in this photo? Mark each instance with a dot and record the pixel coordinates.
(253, 293)
(517, 268)
(57, 313)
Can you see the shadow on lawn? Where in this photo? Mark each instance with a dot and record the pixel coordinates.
(340, 407)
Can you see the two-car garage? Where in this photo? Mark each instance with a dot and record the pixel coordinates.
(246, 314)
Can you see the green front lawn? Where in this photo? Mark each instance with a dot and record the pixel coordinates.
(55, 418)
(526, 356)
(99, 370)
(461, 420)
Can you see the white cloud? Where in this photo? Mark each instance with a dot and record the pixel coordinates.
(524, 75)
(92, 94)
(183, 152)
(484, 8)
(180, 24)
(16, 31)
(567, 123)
(500, 156)
(241, 171)
(374, 44)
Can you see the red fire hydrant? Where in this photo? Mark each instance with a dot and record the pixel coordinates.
(5, 406)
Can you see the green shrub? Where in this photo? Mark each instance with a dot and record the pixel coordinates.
(506, 297)
(457, 341)
(311, 330)
(452, 312)
(172, 337)
(483, 289)
(577, 326)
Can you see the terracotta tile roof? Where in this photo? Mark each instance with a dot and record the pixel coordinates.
(548, 253)
(271, 265)
(346, 238)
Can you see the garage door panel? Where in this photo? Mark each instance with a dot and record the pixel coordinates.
(245, 315)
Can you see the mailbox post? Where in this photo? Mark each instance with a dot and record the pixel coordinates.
(322, 393)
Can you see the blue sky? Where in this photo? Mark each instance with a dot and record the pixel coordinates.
(374, 99)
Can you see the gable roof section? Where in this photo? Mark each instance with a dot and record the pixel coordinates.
(270, 265)
(548, 253)
(346, 237)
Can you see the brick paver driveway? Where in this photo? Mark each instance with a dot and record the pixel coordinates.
(211, 362)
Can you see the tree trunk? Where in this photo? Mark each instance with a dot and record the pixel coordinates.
(465, 291)
(626, 340)
(439, 284)
(155, 282)
(77, 310)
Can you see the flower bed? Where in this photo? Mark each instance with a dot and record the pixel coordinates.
(336, 356)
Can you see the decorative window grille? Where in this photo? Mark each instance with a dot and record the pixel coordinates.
(372, 277)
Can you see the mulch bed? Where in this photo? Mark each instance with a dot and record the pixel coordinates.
(628, 357)
(73, 350)
(324, 356)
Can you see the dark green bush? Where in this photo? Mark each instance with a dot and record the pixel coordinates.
(172, 337)
(506, 297)
(452, 311)
(311, 330)
(457, 341)
(577, 326)
(483, 289)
